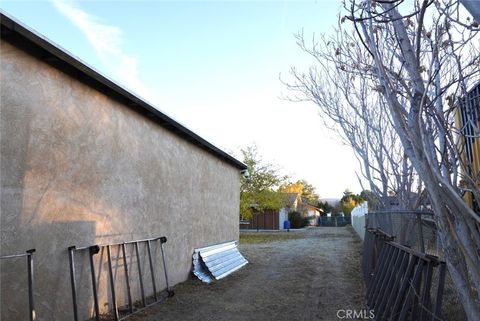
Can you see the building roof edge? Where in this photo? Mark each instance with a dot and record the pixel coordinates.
(36, 44)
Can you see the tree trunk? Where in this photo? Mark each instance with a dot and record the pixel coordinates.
(450, 209)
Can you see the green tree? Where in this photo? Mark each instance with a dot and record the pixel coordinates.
(349, 201)
(337, 209)
(290, 187)
(305, 189)
(309, 193)
(259, 191)
(325, 206)
(348, 205)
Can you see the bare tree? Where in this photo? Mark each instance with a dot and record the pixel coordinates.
(345, 93)
(421, 56)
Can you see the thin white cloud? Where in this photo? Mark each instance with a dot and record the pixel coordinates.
(106, 40)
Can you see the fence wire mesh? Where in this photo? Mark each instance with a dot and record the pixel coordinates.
(334, 221)
(415, 229)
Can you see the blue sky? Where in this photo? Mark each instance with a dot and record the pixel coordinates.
(214, 66)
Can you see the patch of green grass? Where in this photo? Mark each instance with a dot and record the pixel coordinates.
(251, 238)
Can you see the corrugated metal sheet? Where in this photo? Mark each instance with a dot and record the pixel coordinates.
(215, 262)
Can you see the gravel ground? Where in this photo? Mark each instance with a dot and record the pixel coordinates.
(308, 277)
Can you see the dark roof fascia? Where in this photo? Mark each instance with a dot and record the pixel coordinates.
(28, 40)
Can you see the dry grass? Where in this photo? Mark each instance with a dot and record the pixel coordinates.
(291, 276)
(257, 238)
(452, 309)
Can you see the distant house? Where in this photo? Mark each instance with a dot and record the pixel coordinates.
(293, 203)
(273, 220)
(297, 203)
(312, 212)
(266, 220)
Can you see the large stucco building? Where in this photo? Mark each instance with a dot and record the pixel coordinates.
(84, 161)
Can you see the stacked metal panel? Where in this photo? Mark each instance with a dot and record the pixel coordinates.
(217, 261)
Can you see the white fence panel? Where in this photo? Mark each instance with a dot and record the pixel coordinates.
(358, 219)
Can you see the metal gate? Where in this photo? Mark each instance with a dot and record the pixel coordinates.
(399, 280)
(29, 255)
(146, 300)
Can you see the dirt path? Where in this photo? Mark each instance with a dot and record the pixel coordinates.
(309, 278)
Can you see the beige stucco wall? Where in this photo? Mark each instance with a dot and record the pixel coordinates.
(78, 168)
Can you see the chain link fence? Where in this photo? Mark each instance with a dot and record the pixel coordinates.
(415, 229)
(337, 221)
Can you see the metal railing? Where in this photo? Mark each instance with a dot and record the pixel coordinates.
(30, 280)
(131, 308)
(399, 280)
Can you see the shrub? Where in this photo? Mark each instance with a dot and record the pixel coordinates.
(297, 220)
